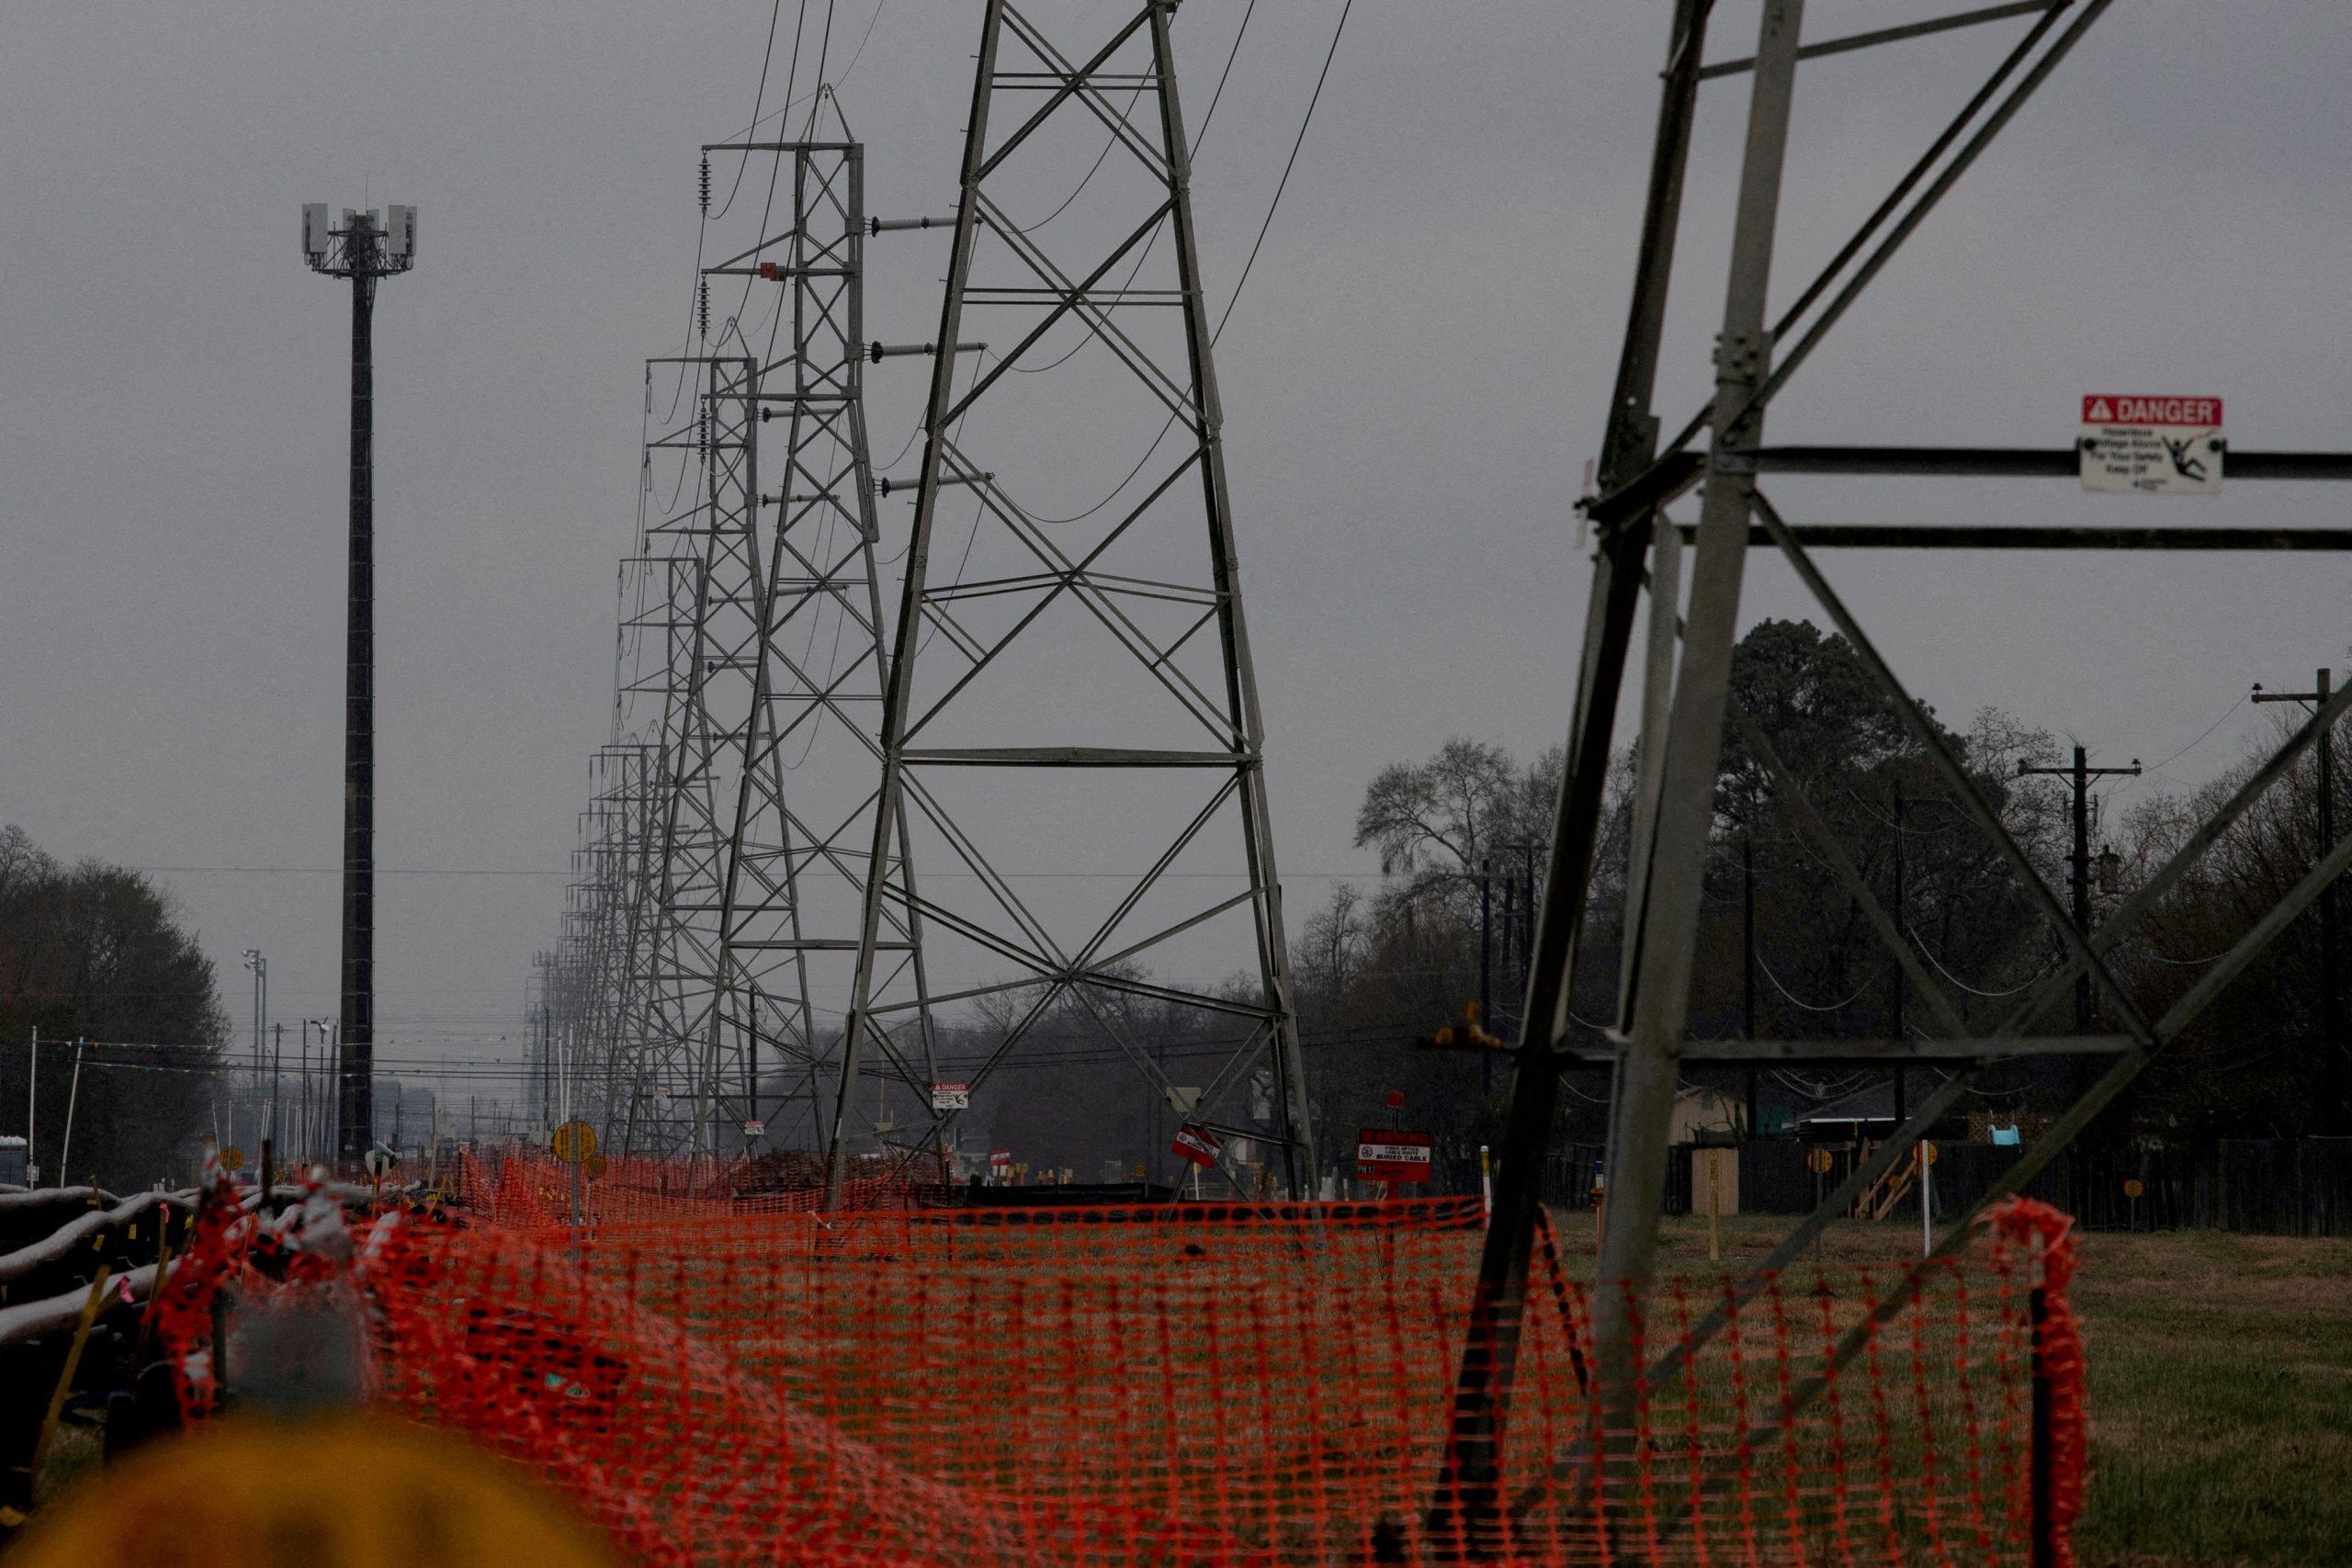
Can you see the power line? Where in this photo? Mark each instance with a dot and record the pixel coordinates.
(1268, 222)
(1288, 164)
(767, 62)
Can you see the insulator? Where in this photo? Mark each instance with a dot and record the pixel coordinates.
(702, 307)
(706, 185)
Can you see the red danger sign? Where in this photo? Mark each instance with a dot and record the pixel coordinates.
(1197, 1144)
(2132, 444)
(1386, 1154)
(2106, 408)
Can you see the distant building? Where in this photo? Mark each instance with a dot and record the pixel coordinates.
(14, 1157)
(1704, 1115)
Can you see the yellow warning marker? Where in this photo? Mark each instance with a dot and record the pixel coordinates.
(73, 1359)
(575, 1142)
(594, 1167)
(232, 1157)
(350, 1491)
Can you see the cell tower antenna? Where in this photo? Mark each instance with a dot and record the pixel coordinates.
(365, 247)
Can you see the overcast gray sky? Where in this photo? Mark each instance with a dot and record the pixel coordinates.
(1412, 383)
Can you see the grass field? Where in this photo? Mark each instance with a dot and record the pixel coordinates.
(2220, 1385)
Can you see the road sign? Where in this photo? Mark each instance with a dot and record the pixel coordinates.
(2147, 445)
(2133, 1188)
(380, 1163)
(1821, 1160)
(1197, 1144)
(1390, 1154)
(574, 1142)
(951, 1097)
(232, 1159)
(1000, 1159)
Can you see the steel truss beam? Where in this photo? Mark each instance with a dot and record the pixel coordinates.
(1686, 708)
(1163, 615)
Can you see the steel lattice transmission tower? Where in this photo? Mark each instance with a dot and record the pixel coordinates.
(365, 247)
(1688, 707)
(806, 791)
(713, 654)
(751, 686)
(1067, 677)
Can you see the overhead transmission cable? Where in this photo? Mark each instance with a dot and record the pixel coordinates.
(1963, 985)
(1800, 1001)
(1267, 223)
(767, 61)
(1095, 334)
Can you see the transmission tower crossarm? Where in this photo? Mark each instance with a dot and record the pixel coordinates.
(1853, 41)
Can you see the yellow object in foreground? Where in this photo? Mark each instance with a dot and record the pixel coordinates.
(347, 1491)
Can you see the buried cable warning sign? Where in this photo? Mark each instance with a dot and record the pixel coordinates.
(1197, 1144)
(2151, 445)
(1389, 1154)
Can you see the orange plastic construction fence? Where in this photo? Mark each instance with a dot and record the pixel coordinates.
(1203, 1384)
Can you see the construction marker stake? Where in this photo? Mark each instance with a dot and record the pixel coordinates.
(65, 1378)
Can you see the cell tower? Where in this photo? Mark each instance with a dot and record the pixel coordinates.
(365, 247)
(1080, 680)
(1687, 704)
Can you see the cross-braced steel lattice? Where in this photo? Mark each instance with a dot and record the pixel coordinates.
(1067, 675)
(723, 865)
(680, 1057)
(808, 785)
(1687, 704)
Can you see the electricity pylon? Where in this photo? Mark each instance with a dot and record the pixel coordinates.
(807, 833)
(1686, 705)
(1084, 680)
(714, 653)
(750, 685)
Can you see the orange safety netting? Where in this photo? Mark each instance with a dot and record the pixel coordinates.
(1195, 1384)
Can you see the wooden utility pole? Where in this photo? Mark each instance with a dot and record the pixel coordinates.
(2081, 772)
(2334, 1072)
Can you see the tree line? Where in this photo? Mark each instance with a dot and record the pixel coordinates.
(1784, 950)
(96, 952)
(1462, 838)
